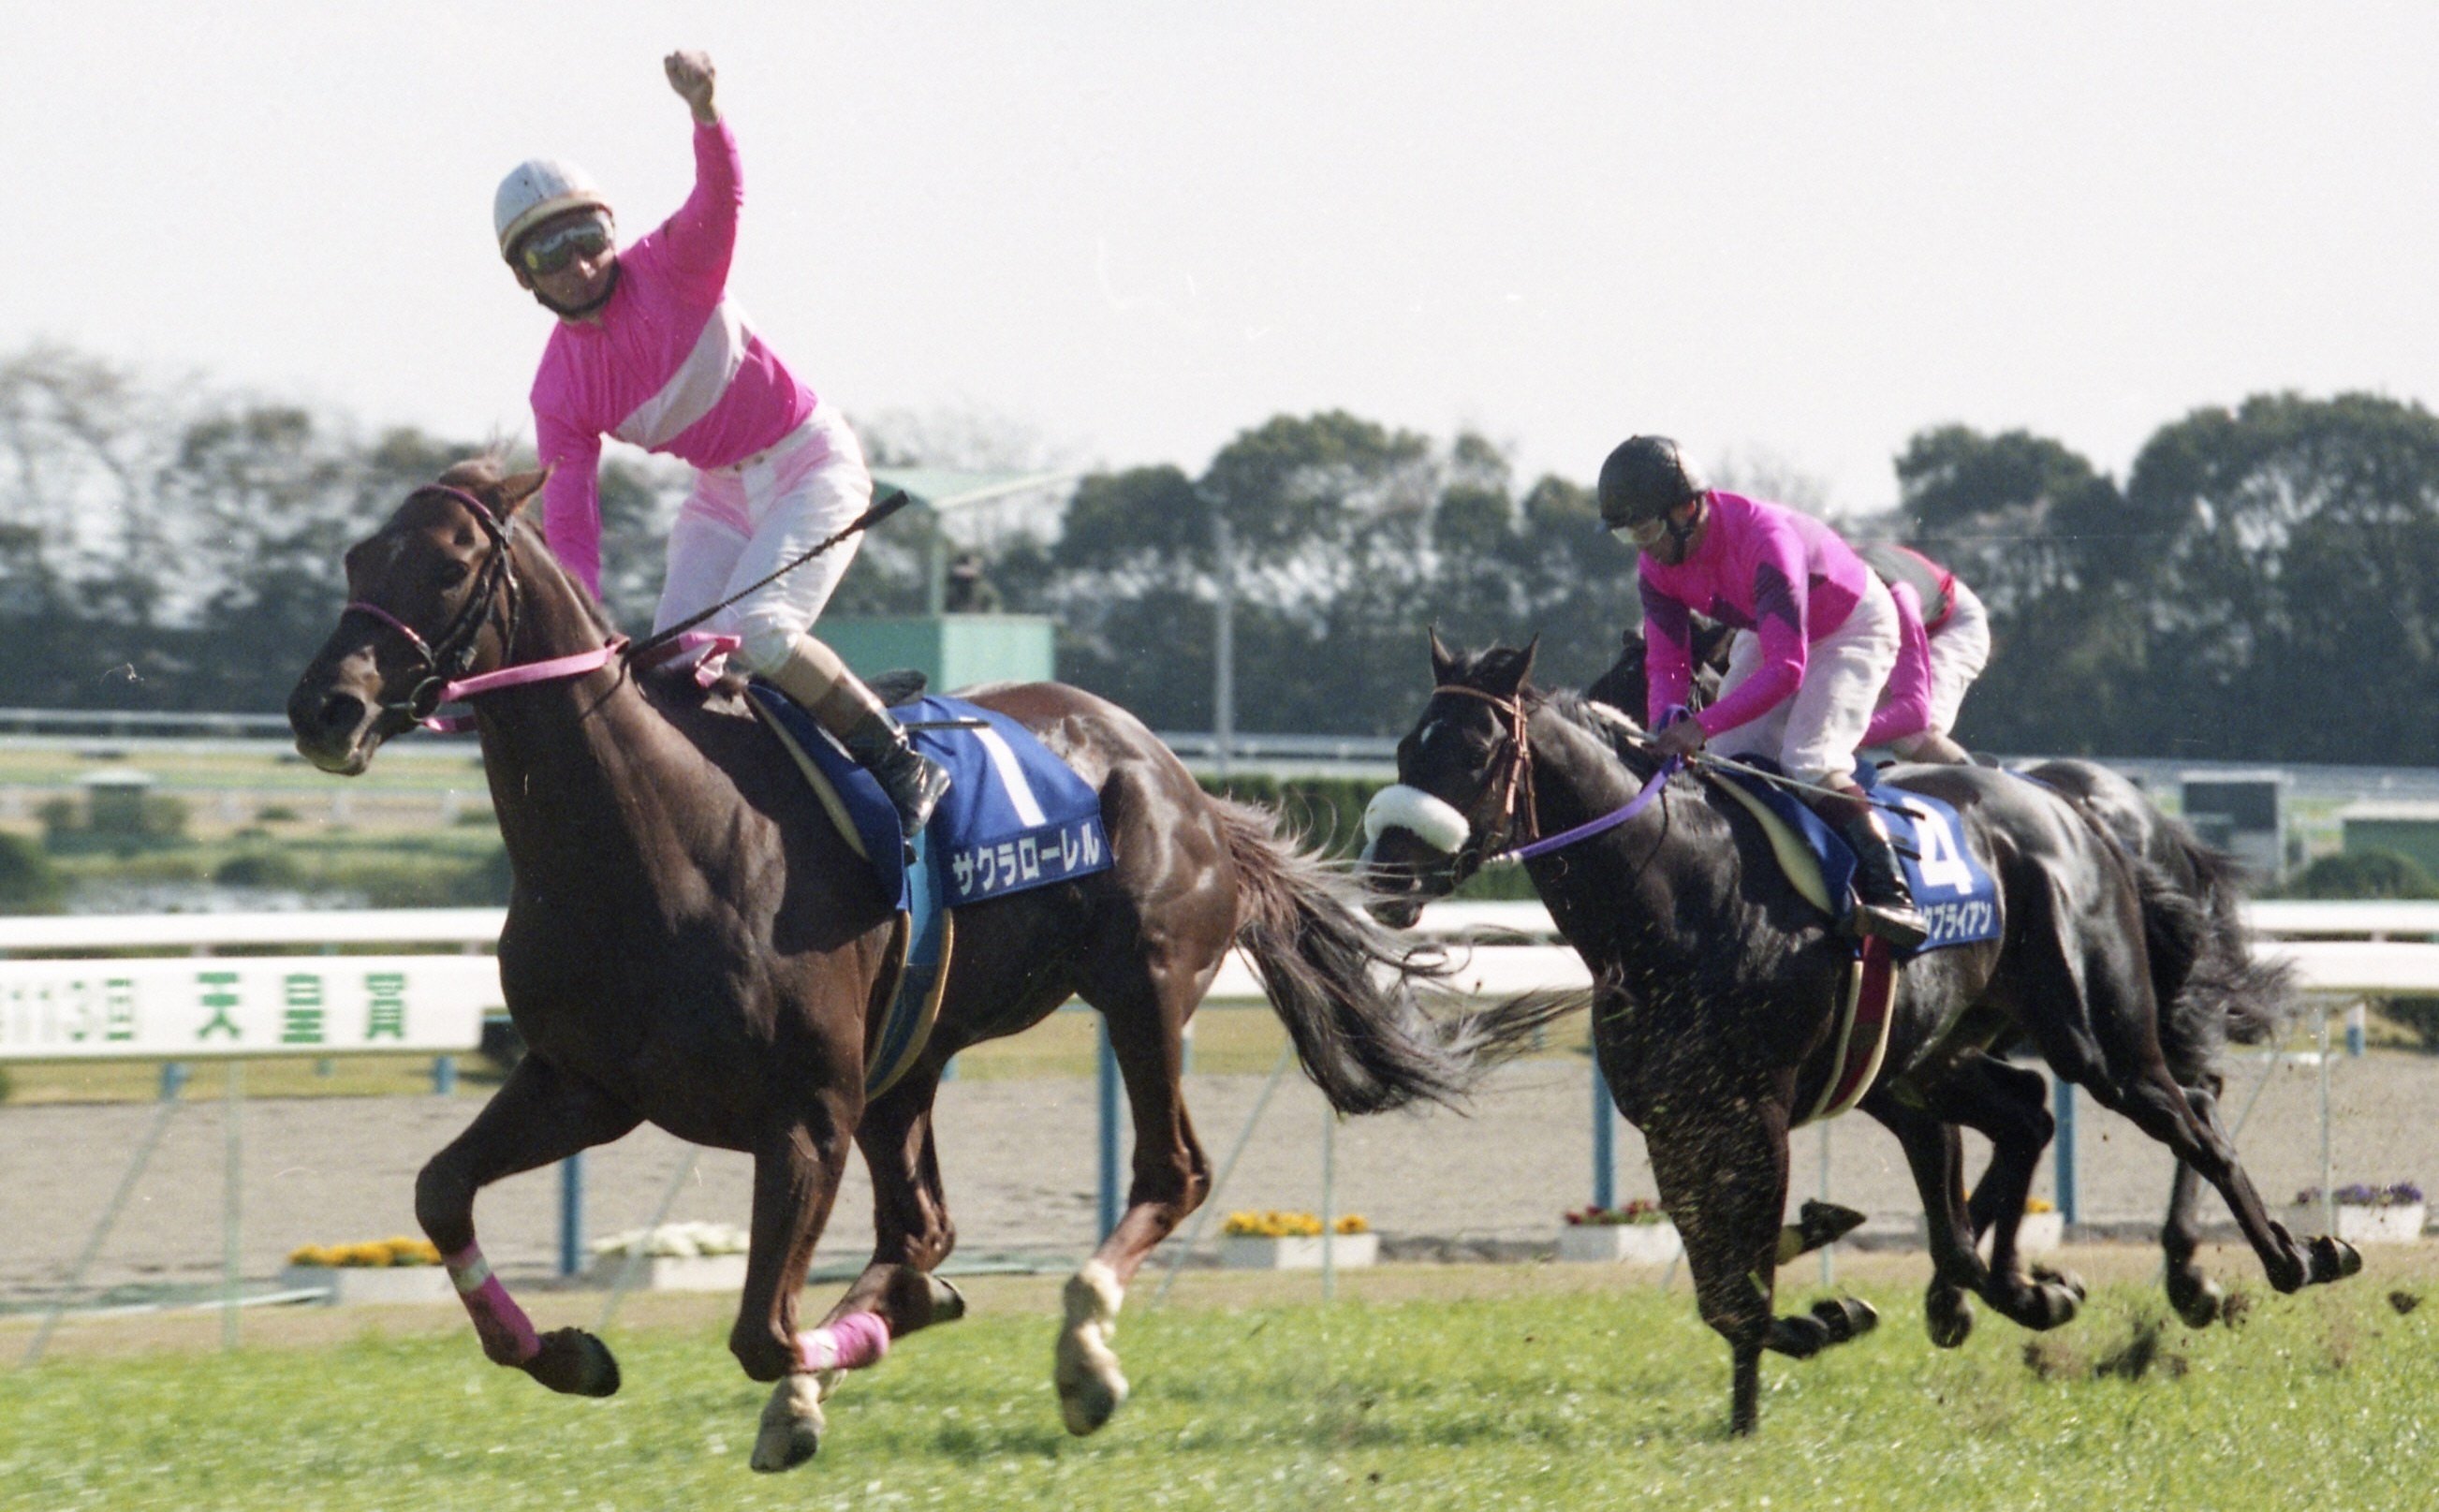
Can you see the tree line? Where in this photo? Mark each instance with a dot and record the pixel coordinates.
(2260, 585)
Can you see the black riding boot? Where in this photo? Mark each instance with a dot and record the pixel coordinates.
(914, 781)
(1885, 906)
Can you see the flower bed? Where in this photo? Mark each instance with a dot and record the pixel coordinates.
(2367, 1215)
(394, 1270)
(1273, 1241)
(1639, 1233)
(673, 1257)
(2043, 1228)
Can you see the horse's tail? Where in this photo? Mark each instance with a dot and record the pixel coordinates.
(1345, 986)
(2228, 994)
(2211, 990)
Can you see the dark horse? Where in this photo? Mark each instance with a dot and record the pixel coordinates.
(2226, 996)
(1713, 1009)
(690, 941)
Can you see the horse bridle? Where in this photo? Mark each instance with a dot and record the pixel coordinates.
(447, 658)
(1512, 781)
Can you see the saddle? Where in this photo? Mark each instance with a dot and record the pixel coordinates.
(1016, 818)
(1951, 886)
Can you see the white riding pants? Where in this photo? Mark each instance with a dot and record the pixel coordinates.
(742, 523)
(1813, 734)
(1960, 648)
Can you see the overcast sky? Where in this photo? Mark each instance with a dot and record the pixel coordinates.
(1796, 231)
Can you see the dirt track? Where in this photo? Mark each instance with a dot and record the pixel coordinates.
(1020, 1161)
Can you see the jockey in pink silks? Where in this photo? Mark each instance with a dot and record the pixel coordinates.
(1819, 638)
(649, 348)
(1956, 642)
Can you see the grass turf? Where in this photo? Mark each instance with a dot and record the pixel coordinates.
(1422, 1387)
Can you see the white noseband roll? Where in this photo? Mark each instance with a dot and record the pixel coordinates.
(1430, 820)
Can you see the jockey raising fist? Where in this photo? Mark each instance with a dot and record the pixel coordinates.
(649, 348)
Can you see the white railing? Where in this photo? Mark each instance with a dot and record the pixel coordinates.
(2360, 948)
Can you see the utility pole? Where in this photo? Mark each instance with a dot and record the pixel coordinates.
(1223, 661)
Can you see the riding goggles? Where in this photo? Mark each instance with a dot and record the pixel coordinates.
(546, 251)
(1641, 534)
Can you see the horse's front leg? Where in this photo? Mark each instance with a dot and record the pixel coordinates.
(539, 1115)
(796, 1171)
(1721, 1165)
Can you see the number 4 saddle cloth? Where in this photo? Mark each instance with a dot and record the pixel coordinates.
(1016, 817)
(1958, 899)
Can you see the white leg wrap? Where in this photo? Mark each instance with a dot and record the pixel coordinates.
(1090, 1386)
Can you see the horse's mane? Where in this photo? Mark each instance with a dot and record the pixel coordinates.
(1604, 722)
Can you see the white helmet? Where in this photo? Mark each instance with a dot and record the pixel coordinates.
(535, 190)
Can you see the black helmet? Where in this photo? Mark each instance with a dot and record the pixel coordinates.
(1643, 480)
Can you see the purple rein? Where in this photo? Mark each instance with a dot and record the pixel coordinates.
(1607, 822)
(1615, 817)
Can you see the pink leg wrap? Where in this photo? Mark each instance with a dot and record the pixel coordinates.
(508, 1334)
(857, 1339)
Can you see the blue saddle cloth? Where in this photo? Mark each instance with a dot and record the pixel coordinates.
(1958, 898)
(1016, 817)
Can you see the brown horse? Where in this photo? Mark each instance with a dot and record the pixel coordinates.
(691, 942)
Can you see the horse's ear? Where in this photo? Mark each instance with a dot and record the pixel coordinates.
(519, 487)
(1443, 660)
(1506, 671)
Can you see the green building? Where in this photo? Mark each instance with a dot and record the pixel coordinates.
(2409, 829)
(955, 649)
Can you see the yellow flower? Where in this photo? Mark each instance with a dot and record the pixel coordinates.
(2039, 1205)
(1353, 1223)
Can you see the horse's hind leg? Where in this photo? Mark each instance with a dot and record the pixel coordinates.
(1171, 1176)
(2197, 1298)
(539, 1115)
(2134, 1080)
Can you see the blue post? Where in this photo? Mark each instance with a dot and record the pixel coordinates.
(2062, 1157)
(444, 1075)
(174, 1080)
(571, 1215)
(2355, 1030)
(1604, 1141)
(1108, 1078)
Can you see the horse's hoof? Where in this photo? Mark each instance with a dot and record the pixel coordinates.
(2333, 1259)
(1846, 1318)
(792, 1425)
(575, 1363)
(1947, 1312)
(1088, 1401)
(1089, 1384)
(2065, 1278)
(2197, 1298)
(948, 1303)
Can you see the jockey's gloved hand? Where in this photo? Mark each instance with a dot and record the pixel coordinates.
(1681, 739)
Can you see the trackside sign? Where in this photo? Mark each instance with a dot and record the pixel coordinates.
(197, 1008)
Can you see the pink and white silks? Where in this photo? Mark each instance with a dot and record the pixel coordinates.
(670, 365)
(1819, 637)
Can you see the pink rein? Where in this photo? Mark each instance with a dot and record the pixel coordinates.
(707, 650)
